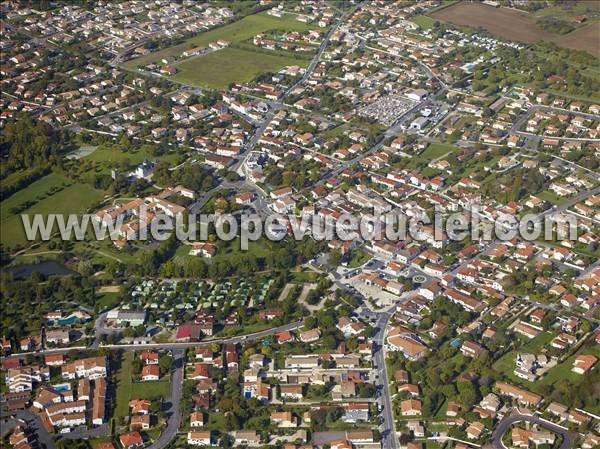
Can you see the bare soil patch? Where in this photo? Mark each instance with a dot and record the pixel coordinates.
(586, 38)
(503, 22)
(519, 26)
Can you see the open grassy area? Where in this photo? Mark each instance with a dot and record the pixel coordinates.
(227, 250)
(304, 276)
(423, 21)
(234, 32)
(113, 155)
(551, 197)
(150, 390)
(563, 370)
(108, 300)
(431, 153)
(123, 393)
(220, 68)
(436, 150)
(51, 194)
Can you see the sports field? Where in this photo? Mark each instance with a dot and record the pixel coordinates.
(220, 68)
(235, 32)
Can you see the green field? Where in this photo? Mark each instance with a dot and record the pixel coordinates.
(123, 393)
(235, 32)
(112, 155)
(150, 390)
(423, 21)
(52, 194)
(551, 197)
(220, 68)
(431, 153)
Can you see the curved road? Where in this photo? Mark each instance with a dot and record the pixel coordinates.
(507, 422)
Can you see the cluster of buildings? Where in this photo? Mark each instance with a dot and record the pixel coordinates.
(133, 219)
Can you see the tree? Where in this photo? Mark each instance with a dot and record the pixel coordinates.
(165, 362)
(335, 256)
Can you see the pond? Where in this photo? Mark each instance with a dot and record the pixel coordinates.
(48, 268)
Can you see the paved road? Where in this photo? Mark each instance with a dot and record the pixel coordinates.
(172, 406)
(507, 422)
(174, 346)
(85, 433)
(389, 439)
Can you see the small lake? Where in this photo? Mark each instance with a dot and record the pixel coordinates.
(48, 268)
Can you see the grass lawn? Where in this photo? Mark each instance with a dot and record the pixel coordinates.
(220, 68)
(304, 276)
(551, 197)
(563, 370)
(103, 250)
(126, 389)
(108, 300)
(150, 390)
(123, 393)
(536, 344)
(423, 21)
(506, 364)
(432, 152)
(234, 32)
(114, 155)
(52, 194)
(227, 250)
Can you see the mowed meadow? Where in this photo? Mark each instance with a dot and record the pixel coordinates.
(220, 68)
(518, 26)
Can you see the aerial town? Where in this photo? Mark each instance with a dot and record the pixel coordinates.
(123, 119)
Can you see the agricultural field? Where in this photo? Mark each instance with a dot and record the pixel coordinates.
(220, 68)
(520, 26)
(234, 33)
(51, 194)
(586, 38)
(506, 23)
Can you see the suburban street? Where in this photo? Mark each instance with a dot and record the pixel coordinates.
(171, 408)
(388, 427)
(508, 421)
